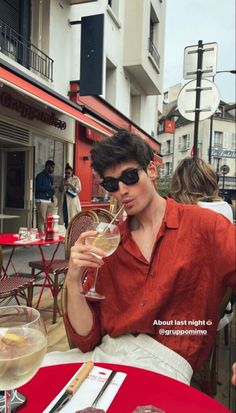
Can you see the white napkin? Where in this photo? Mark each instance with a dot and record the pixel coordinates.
(22, 241)
(89, 390)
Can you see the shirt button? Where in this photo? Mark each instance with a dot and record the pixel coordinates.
(142, 303)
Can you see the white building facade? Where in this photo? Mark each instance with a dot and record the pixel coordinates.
(40, 57)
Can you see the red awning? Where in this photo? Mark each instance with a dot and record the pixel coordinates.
(24, 86)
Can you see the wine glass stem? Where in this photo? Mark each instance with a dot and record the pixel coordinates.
(93, 288)
(7, 401)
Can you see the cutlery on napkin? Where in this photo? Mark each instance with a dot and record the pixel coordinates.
(92, 387)
(73, 387)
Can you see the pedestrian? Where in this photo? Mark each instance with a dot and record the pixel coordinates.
(195, 182)
(45, 194)
(163, 283)
(69, 203)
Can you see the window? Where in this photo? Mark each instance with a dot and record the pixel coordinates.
(168, 168)
(168, 147)
(217, 162)
(166, 97)
(152, 41)
(184, 142)
(15, 189)
(218, 139)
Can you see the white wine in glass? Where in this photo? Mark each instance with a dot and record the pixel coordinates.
(107, 239)
(23, 344)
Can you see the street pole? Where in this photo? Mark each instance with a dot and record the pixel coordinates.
(198, 98)
(210, 139)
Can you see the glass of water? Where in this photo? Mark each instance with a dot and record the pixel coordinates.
(23, 233)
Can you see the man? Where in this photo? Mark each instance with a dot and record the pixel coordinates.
(44, 191)
(164, 283)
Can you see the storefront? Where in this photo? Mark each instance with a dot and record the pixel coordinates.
(36, 124)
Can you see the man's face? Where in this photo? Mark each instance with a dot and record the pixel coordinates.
(135, 197)
(50, 169)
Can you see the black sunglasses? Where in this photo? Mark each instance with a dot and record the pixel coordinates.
(129, 177)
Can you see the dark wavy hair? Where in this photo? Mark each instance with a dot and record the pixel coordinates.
(123, 146)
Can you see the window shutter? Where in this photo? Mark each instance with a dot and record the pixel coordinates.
(226, 139)
(179, 144)
(233, 142)
(163, 148)
(188, 141)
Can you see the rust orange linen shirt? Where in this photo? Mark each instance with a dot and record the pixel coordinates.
(192, 263)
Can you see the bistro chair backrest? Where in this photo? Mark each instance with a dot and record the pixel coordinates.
(79, 223)
(103, 214)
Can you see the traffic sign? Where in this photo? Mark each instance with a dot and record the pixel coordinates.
(209, 60)
(224, 169)
(210, 99)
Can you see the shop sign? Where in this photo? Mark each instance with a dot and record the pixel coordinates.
(29, 112)
(222, 153)
(169, 126)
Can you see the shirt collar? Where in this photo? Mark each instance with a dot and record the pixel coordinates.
(171, 217)
(170, 220)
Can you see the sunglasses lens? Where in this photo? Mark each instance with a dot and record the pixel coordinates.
(110, 185)
(130, 177)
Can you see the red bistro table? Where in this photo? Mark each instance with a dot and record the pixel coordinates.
(13, 241)
(140, 387)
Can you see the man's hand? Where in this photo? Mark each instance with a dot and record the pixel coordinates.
(82, 256)
(148, 409)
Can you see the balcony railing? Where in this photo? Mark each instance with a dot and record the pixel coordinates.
(153, 51)
(25, 53)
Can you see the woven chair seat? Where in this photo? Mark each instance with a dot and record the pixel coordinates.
(11, 285)
(55, 267)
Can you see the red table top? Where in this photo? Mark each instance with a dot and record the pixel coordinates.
(140, 387)
(10, 239)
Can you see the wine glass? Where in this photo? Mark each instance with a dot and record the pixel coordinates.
(23, 344)
(107, 239)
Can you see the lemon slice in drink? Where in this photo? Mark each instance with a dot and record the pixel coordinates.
(11, 339)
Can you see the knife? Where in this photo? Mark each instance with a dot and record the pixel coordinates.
(105, 385)
(73, 387)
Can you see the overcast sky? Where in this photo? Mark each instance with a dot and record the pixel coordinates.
(187, 22)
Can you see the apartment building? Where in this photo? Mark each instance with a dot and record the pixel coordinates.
(42, 114)
(216, 135)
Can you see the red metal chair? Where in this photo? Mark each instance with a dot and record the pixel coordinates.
(58, 268)
(14, 286)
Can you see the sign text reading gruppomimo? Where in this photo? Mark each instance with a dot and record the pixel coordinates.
(29, 112)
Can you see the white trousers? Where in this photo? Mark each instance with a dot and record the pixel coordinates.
(141, 351)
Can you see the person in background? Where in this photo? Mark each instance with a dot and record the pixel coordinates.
(195, 182)
(69, 203)
(44, 194)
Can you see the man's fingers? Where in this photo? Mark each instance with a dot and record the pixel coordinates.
(88, 249)
(84, 235)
